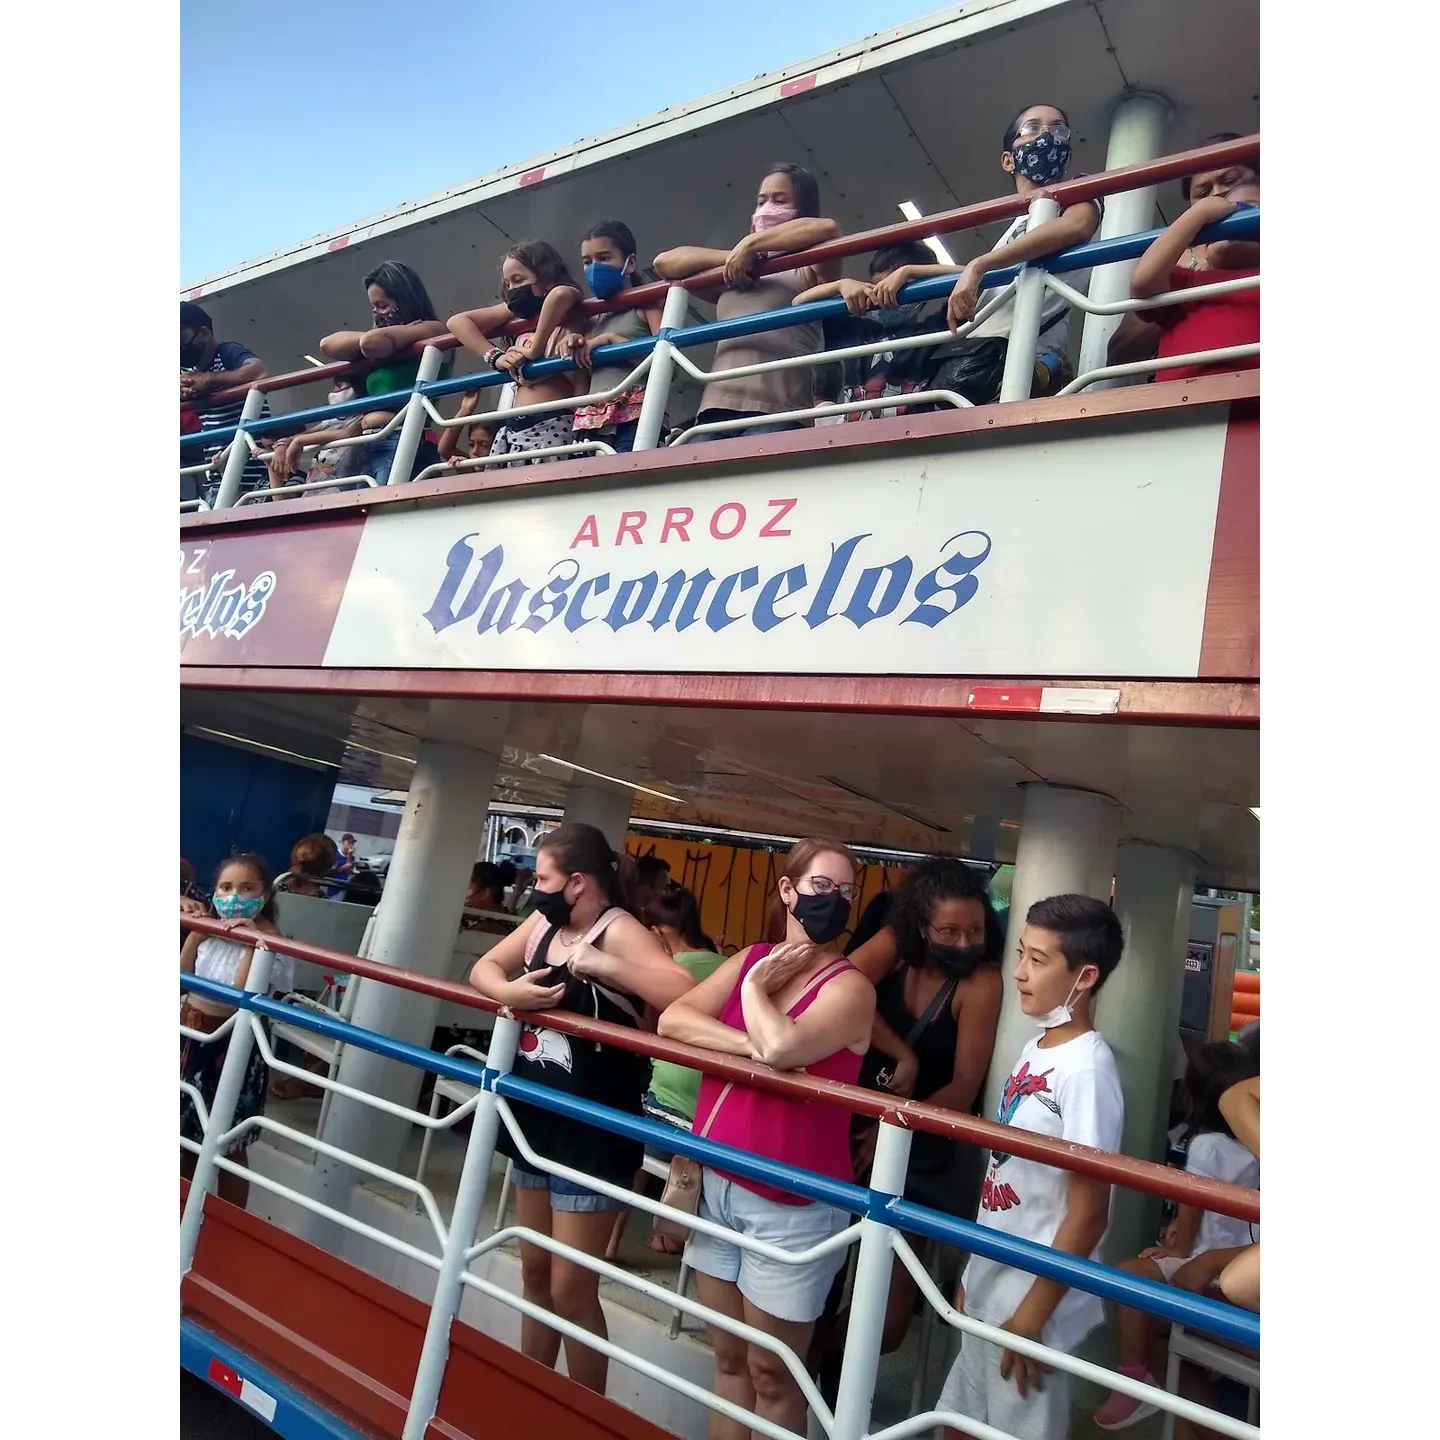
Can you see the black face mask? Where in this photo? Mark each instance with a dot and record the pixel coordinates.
(523, 302)
(822, 917)
(191, 354)
(552, 906)
(957, 960)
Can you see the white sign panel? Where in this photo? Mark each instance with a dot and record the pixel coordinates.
(1087, 556)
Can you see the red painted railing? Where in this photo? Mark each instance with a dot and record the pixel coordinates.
(966, 217)
(1143, 1175)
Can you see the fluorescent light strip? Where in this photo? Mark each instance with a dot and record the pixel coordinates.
(247, 744)
(613, 780)
(1255, 811)
(911, 211)
(371, 750)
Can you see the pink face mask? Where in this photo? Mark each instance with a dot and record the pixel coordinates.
(771, 214)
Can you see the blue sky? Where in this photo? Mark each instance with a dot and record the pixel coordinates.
(297, 116)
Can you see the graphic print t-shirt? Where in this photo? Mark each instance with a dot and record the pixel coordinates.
(1071, 1092)
(1218, 1156)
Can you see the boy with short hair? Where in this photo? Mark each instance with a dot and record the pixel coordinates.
(1065, 1085)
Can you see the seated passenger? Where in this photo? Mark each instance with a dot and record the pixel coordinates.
(1064, 1085)
(898, 372)
(486, 890)
(796, 1005)
(404, 317)
(538, 290)
(312, 858)
(208, 365)
(1036, 153)
(466, 442)
(787, 218)
(313, 455)
(1175, 262)
(583, 951)
(1198, 1244)
(607, 251)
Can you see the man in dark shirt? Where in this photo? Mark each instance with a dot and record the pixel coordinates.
(207, 366)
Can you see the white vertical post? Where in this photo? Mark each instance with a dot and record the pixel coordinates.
(235, 462)
(222, 1109)
(1137, 135)
(412, 427)
(415, 928)
(870, 1292)
(1067, 847)
(606, 807)
(1025, 319)
(464, 1222)
(662, 365)
(1139, 1013)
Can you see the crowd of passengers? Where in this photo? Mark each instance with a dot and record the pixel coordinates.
(540, 298)
(910, 1006)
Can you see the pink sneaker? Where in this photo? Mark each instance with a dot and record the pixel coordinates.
(1121, 1411)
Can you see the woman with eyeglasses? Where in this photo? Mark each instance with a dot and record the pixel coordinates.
(796, 1005)
(1035, 153)
(935, 965)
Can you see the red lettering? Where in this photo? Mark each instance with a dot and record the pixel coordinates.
(739, 524)
(589, 531)
(630, 523)
(782, 508)
(677, 519)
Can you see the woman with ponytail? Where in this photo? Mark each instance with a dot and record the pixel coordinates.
(582, 950)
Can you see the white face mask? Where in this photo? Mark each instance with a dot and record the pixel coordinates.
(1061, 1014)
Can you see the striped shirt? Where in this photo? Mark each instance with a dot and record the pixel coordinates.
(217, 415)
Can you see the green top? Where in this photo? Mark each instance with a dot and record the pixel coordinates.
(677, 1086)
(398, 375)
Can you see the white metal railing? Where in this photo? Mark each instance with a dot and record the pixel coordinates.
(879, 1243)
(1026, 292)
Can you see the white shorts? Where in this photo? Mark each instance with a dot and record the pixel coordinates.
(788, 1292)
(1167, 1265)
(974, 1388)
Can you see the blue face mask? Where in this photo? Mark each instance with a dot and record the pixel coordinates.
(238, 907)
(894, 317)
(604, 280)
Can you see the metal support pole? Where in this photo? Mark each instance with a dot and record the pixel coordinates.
(1137, 135)
(222, 1110)
(239, 456)
(662, 365)
(464, 1222)
(412, 427)
(870, 1292)
(1025, 318)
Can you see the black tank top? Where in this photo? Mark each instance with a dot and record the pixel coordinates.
(935, 1046)
(614, 1078)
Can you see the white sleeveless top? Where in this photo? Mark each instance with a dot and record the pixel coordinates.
(219, 960)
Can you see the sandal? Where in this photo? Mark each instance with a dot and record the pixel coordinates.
(663, 1245)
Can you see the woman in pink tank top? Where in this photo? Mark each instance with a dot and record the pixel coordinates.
(798, 1005)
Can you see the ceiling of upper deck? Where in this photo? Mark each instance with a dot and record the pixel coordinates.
(926, 129)
(904, 781)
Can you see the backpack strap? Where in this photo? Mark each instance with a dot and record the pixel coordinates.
(536, 936)
(603, 924)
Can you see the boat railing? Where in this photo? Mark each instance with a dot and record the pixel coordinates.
(883, 1216)
(653, 360)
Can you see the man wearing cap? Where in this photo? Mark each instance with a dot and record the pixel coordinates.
(208, 366)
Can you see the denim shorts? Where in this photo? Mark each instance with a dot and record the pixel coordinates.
(564, 1194)
(656, 1110)
(788, 1292)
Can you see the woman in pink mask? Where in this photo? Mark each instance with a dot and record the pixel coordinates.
(787, 218)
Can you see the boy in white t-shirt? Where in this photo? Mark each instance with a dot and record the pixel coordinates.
(1064, 1085)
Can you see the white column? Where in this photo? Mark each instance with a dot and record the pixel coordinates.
(1067, 847)
(415, 928)
(1137, 134)
(606, 807)
(1139, 1014)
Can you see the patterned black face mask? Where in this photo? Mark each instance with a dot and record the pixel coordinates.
(1042, 159)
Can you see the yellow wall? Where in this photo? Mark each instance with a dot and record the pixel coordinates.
(734, 885)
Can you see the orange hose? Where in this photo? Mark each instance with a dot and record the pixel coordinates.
(1247, 982)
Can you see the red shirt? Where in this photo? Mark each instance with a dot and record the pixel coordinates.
(1194, 325)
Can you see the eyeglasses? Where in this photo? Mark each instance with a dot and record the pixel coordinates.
(955, 934)
(823, 885)
(1031, 128)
